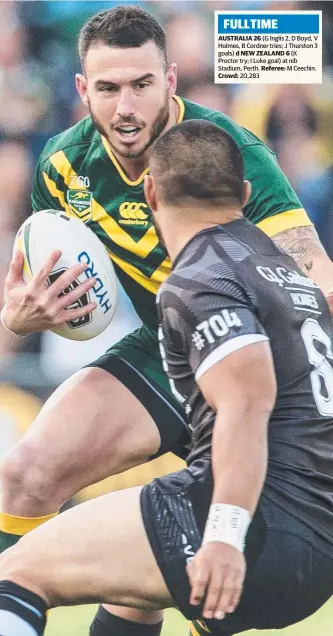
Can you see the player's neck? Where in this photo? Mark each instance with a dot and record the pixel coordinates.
(177, 234)
(134, 168)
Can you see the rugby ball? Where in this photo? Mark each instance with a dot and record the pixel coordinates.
(49, 230)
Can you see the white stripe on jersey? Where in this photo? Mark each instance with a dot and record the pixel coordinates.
(225, 349)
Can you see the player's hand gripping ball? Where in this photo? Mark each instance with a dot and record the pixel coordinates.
(50, 230)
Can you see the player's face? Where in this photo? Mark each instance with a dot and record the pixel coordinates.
(128, 93)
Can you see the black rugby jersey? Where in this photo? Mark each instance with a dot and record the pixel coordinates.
(231, 286)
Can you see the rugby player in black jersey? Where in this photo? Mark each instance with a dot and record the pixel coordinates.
(243, 538)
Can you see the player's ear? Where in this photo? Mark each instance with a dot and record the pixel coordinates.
(150, 192)
(81, 87)
(172, 79)
(246, 192)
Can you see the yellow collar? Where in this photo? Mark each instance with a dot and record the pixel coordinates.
(117, 165)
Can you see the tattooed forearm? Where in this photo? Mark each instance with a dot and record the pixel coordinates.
(303, 244)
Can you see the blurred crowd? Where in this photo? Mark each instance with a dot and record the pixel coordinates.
(38, 61)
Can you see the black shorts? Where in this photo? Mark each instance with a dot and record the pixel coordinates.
(289, 567)
(136, 362)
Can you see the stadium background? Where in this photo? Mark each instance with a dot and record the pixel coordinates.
(38, 61)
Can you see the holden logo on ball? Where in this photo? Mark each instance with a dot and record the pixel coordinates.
(83, 301)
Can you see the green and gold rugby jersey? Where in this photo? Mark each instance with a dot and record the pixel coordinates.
(77, 172)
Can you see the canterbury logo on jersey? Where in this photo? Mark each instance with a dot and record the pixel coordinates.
(132, 213)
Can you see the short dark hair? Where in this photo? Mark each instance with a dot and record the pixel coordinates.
(124, 27)
(199, 161)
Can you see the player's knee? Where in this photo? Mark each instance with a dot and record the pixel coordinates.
(25, 474)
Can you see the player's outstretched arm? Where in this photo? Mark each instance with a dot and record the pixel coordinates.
(241, 389)
(35, 306)
(303, 244)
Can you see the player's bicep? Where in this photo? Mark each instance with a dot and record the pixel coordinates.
(246, 375)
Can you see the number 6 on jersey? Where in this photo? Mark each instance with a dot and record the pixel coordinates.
(322, 374)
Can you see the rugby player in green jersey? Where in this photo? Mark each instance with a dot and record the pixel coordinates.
(119, 412)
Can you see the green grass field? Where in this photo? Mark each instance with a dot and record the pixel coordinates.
(75, 622)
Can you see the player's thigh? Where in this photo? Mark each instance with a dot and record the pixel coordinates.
(295, 567)
(91, 427)
(174, 511)
(289, 573)
(136, 362)
(113, 415)
(97, 551)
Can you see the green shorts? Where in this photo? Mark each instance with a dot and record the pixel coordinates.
(135, 361)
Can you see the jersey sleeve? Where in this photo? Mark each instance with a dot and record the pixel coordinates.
(273, 205)
(207, 326)
(45, 193)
